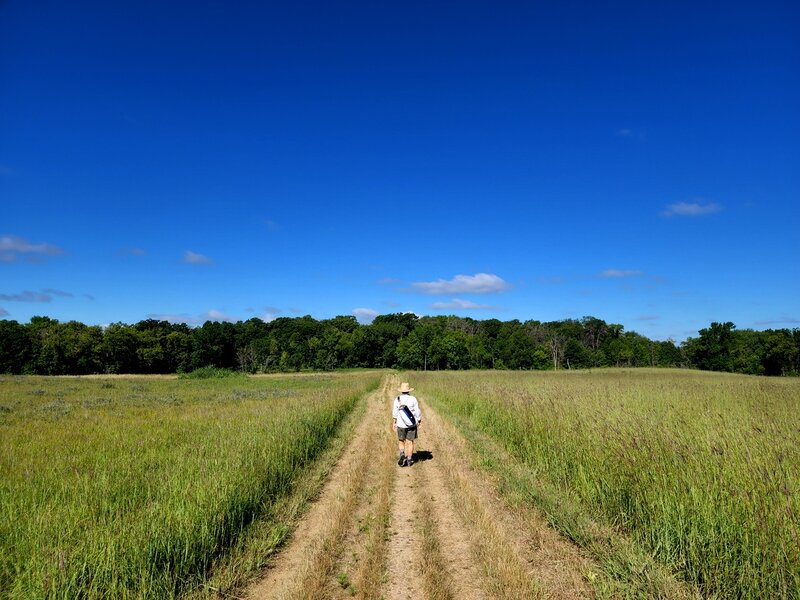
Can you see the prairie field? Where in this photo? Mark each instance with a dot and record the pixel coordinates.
(610, 483)
(132, 486)
(701, 470)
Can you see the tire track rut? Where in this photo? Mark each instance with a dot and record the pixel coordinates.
(304, 568)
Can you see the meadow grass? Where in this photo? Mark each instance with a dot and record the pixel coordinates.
(700, 470)
(133, 486)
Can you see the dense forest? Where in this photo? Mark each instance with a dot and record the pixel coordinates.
(48, 347)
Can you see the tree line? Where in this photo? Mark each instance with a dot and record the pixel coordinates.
(46, 346)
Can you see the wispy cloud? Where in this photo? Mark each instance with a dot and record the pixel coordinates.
(551, 280)
(783, 320)
(614, 273)
(648, 318)
(391, 303)
(132, 251)
(11, 246)
(211, 315)
(631, 134)
(691, 209)
(4, 312)
(480, 283)
(458, 304)
(61, 293)
(388, 281)
(270, 314)
(193, 258)
(365, 315)
(173, 318)
(215, 315)
(27, 296)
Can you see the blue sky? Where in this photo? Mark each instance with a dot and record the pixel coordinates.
(638, 162)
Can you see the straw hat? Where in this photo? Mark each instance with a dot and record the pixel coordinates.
(404, 387)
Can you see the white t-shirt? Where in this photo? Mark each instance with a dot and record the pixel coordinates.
(412, 404)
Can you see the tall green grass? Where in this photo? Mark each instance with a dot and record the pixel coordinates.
(702, 470)
(130, 487)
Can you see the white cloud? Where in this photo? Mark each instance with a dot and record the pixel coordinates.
(648, 318)
(12, 245)
(4, 312)
(459, 304)
(480, 283)
(365, 316)
(690, 209)
(611, 273)
(193, 258)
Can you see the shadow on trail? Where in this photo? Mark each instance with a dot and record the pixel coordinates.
(423, 455)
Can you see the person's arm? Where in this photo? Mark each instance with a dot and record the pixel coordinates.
(395, 408)
(417, 411)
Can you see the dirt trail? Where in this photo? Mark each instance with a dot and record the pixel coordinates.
(404, 537)
(435, 530)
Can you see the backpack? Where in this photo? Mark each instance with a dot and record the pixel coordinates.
(406, 417)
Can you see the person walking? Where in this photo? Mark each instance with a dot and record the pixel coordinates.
(406, 417)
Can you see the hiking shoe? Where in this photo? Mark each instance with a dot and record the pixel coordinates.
(401, 462)
(409, 462)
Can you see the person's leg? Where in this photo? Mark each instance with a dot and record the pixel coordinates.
(411, 435)
(401, 446)
(409, 449)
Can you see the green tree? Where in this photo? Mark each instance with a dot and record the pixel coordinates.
(178, 350)
(119, 349)
(712, 350)
(214, 345)
(780, 352)
(449, 350)
(410, 354)
(15, 347)
(41, 333)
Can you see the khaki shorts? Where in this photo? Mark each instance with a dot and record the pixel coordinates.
(406, 434)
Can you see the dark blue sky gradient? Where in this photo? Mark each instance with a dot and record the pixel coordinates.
(326, 156)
